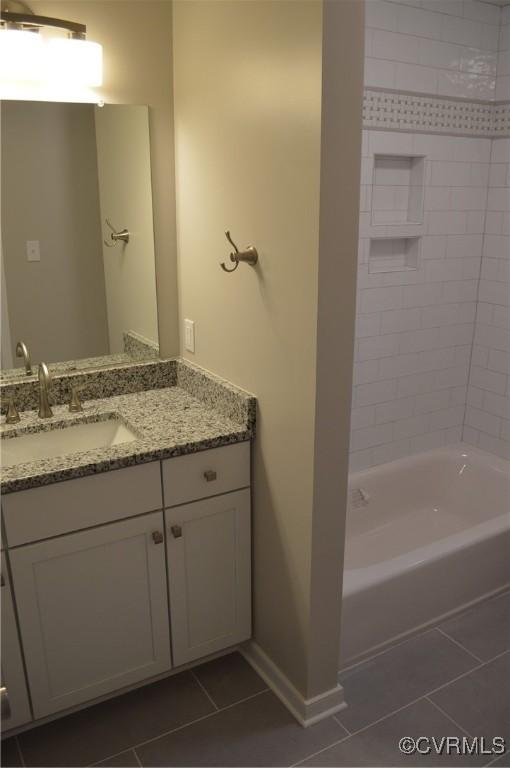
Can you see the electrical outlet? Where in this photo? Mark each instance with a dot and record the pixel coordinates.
(189, 335)
(33, 250)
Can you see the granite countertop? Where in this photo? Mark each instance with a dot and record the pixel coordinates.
(168, 421)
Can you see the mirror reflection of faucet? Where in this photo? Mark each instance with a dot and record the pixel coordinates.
(22, 351)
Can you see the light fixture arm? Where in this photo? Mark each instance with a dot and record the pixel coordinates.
(30, 21)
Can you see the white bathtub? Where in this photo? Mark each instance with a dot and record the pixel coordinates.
(426, 536)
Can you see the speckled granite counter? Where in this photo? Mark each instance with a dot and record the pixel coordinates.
(196, 411)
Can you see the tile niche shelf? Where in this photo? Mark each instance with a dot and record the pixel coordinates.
(397, 189)
(393, 254)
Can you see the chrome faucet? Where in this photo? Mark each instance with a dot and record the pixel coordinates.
(45, 411)
(22, 351)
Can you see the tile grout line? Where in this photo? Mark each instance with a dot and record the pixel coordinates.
(394, 645)
(198, 720)
(335, 717)
(204, 690)
(464, 674)
(324, 749)
(111, 757)
(449, 717)
(426, 695)
(18, 746)
(462, 647)
(497, 757)
(383, 650)
(385, 717)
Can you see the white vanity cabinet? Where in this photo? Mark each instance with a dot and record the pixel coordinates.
(120, 577)
(15, 704)
(209, 550)
(93, 611)
(209, 574)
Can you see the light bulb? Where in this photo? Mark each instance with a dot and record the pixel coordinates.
(74, 62)
(21, 55)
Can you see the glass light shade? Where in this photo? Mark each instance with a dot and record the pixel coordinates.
(21, 55)
(75, 62)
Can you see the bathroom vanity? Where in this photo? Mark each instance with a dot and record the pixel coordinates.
(124, 562)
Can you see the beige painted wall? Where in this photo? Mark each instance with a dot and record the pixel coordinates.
(342, 97)
(247, 80)
(137, 47)
(50, 193)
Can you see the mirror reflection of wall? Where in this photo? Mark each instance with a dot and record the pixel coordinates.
(65, 169)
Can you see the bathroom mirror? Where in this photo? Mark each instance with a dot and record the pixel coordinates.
(77, 289)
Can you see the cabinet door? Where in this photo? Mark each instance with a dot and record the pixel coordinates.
(15, 705)
(93, 611)
(209, 574)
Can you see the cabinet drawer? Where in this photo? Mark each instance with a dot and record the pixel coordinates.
(51, 510)
(207, 473)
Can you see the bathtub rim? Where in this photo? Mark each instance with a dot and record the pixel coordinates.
(363, 577)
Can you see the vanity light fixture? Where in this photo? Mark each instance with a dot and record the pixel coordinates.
(29, 54)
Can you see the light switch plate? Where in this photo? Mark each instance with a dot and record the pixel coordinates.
(189, 335)
(33, 250)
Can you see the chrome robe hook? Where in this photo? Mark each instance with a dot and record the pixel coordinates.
(248, 256)
(123, 235)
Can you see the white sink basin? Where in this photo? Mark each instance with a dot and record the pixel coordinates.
(60, 442)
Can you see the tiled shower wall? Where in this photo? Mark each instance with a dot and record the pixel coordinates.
(415, 326)
(487, 421)
(503, 63)
(440, 47)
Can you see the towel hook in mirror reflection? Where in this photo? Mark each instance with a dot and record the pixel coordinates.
(116, 236)
(248, 256)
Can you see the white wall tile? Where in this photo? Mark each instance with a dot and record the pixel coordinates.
(391, 451)
(488, 380)
(411, 77)
(379, 299)
(448, 417)
(381, 15)
(483, 421)
(370, 436)
(378, 392)
(378, 346)
(419, 331)
(365, 372)
(416, 425)
(432, 401)
(362, 417)
(394, 410)
(380, 73)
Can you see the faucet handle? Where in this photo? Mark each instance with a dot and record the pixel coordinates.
(12, 416)
(75, 404)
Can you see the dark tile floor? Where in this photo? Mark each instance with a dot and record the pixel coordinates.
(453, 680)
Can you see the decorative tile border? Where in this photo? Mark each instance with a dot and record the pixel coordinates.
(501, 120)
(400, 111)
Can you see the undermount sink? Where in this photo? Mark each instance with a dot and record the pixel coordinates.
(52, 443)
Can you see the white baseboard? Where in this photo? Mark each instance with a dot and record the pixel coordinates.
(306, 711)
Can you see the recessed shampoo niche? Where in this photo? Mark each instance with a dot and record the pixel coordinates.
(393, 254)
(397, 189)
